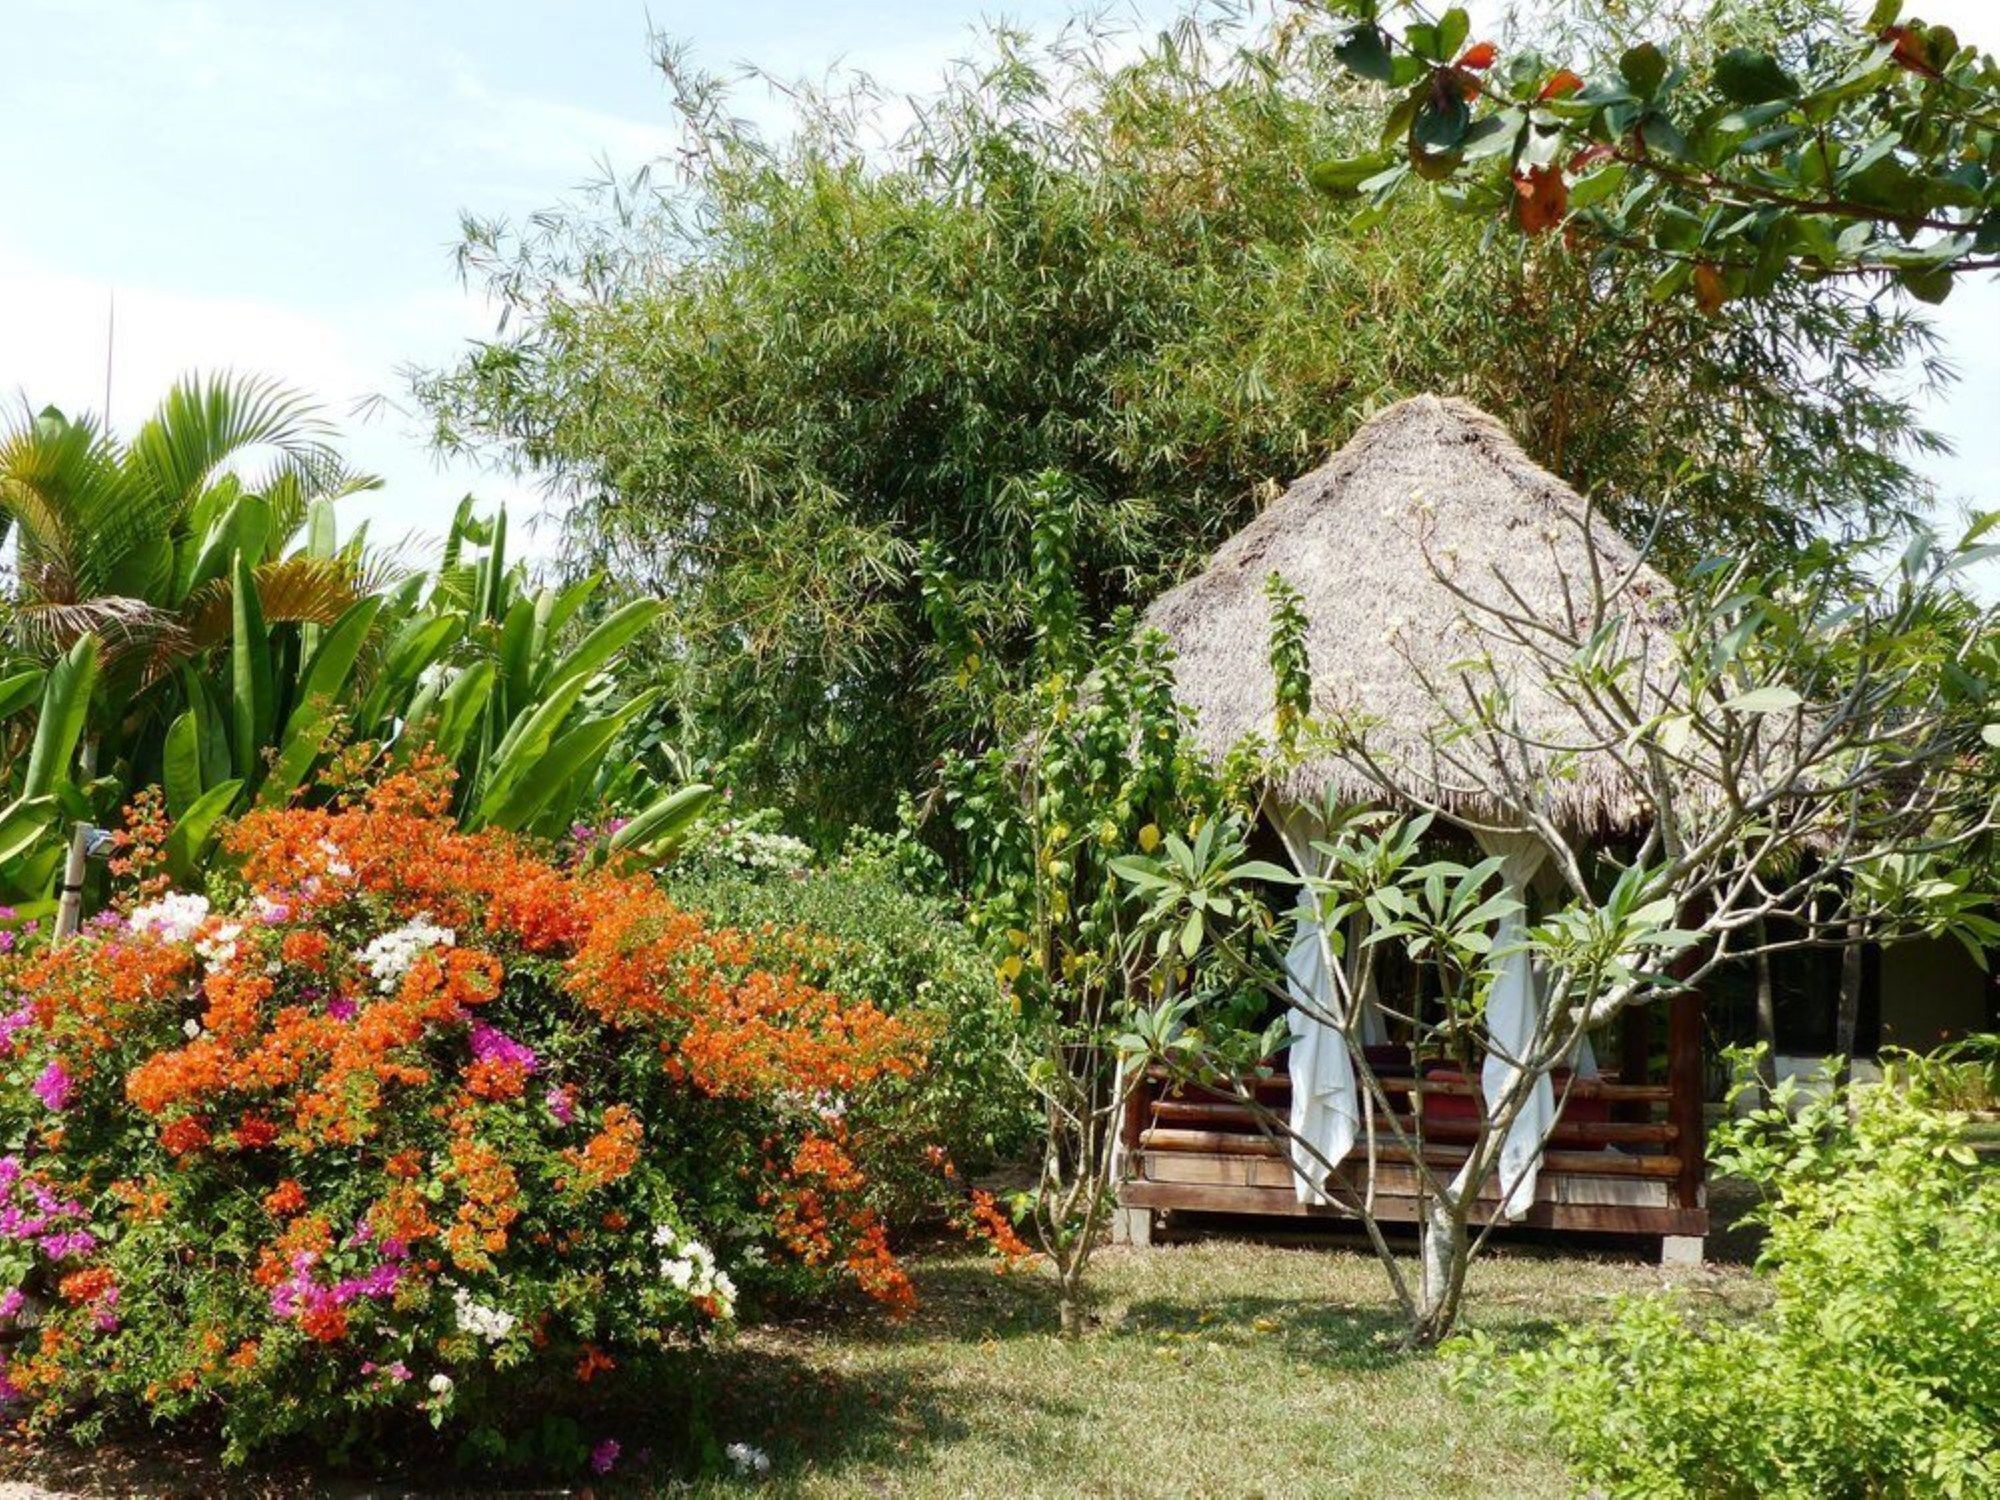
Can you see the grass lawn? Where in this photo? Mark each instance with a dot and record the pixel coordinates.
(1217, 1368)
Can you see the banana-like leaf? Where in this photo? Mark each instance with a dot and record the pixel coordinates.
(16, 693)
(65, 708)
(323, 683)
(180, 766)
(517, 644)
(189, 839)
(211, 726)
(657, 829)
(612, 635)
(459, 708)
(572, 755)
(419, 644)
(23, 823)
(525, 743)
(251, 707)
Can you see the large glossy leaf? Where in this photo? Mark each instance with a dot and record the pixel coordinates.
(181, 763)
(459, 708)
(323, 684)
(657, 828)
(23, 823)
(419, 644)
(65, 709)
(17, 692)
(616, 631)
(189, 839)
(251, 699)
(573, 755)
(524, 744)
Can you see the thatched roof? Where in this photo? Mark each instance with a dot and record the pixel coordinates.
(1431, 488)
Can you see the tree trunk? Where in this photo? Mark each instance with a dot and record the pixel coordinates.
(1847, 1020)
(1072, 1301)
(1767, 1022)
(1444, 1249)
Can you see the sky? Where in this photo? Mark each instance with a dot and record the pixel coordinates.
(275, 185)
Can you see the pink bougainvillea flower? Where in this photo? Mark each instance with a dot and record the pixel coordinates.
(55, 1088)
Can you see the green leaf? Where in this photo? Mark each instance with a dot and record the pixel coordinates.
(525, 743)
(1747, 76)
(181, 763)
(654, 830)
(617, 631)
(1365, 50)
(1930, 285)
(1343, 178)
(65, 708)
(1453, 28)
(570, 755)
(16, 693)
(1441, 124)
(324, 682)
(23, 823)
(1763, 700)
(1645, 68)
(250, 710)
(191, 835)
(459, 709)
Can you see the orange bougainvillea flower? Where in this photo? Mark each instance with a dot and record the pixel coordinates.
(286, 1199)
(610, 1154)
(183, 1135)
(82, 1287)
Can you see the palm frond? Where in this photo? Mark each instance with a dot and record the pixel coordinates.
(205, 425)
(77, 510)
(294, 485)
(290, 591)
(46, 628)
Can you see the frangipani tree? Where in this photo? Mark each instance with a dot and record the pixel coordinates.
(1813, 746)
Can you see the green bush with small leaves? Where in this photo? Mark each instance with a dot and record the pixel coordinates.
(1871, 1372)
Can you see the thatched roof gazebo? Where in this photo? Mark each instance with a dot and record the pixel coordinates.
(1428, 541)
(1431, 495)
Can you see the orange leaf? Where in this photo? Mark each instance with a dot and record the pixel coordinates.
(1479, 56)
(1541, 198)
(1562, 83)
(1909, 51)
(1710, 291)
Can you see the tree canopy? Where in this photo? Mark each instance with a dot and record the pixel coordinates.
(787, 382)
(1865, 149)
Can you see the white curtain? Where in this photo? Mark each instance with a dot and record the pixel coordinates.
(1513, 1016)
(1326, 1099)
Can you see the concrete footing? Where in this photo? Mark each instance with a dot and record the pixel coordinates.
(1680, 1249)
(1132, 1226)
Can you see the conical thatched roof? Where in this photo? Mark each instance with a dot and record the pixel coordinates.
(1431, 488)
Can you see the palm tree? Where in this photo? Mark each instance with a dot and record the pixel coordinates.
(142, 546)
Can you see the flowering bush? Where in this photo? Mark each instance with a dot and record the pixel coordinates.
(414, 1122)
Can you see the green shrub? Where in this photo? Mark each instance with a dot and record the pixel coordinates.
(1873, 1370)
(881, 932)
